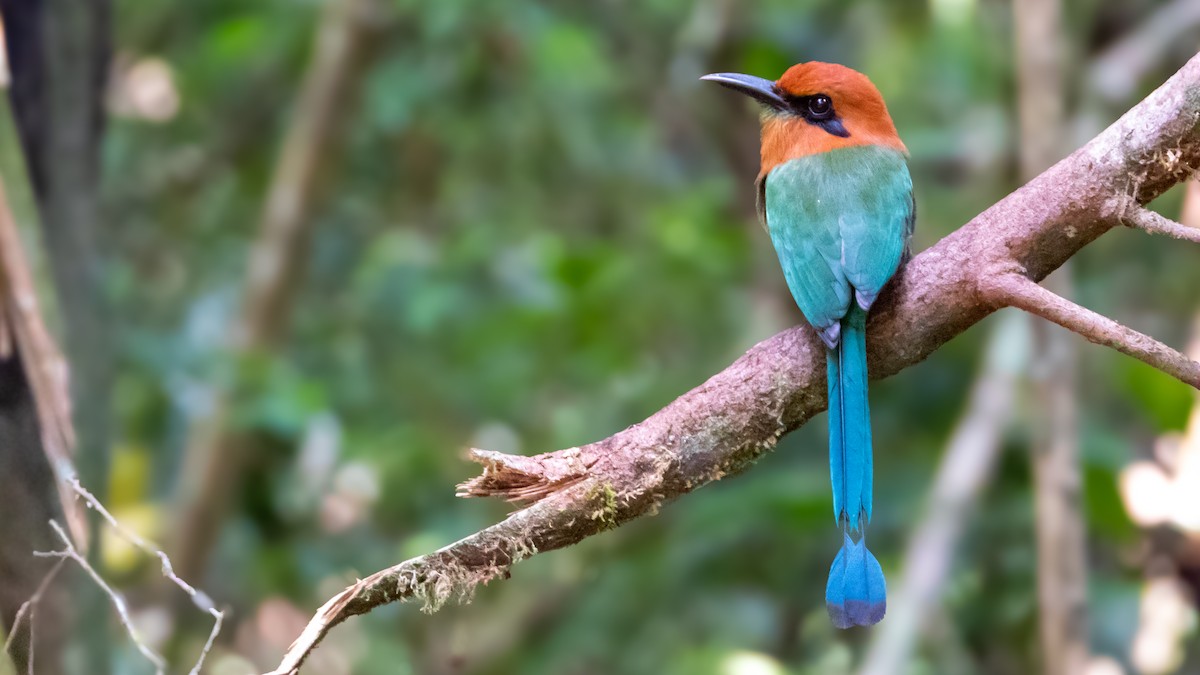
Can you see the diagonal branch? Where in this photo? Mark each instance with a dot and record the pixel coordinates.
(22, 328)
(1017, 291)
(722, 426)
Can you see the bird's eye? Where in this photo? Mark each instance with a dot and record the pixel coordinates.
(820, 106)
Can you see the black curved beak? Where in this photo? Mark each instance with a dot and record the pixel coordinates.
(757, 88)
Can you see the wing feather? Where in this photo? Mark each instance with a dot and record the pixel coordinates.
(840, 222)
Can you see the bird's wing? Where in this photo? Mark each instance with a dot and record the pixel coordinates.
(840, 221)
(878, 221)
(802, 217)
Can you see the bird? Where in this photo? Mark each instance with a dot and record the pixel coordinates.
(835, 194)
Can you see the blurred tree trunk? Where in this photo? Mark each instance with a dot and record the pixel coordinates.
(217, 455)
(25, 477)
(59, 56)
(1062, 555)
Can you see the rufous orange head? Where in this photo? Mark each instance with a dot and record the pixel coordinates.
(815, 107)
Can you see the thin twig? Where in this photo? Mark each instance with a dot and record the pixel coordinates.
(199, 598)
(30, 607)
(68, 551)
(1018, 291)
(1155, 223)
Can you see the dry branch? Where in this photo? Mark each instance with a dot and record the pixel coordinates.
(1017, 291)
(199, 598)
(28, 612)
(724, 425)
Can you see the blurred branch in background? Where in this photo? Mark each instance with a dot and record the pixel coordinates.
(1116, 73)
(59, 60)
(699, 42)
(724, 425)
(216, 453)
(964, 472)
(1058, 480)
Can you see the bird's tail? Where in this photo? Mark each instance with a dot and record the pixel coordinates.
(855, 594)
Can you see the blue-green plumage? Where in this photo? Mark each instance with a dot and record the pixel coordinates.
(841, 221)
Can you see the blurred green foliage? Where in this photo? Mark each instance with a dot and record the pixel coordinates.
(540, 231)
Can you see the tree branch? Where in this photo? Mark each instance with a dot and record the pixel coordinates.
(1149, 221)
(721, 427)
(45, 368)
(1015, 290)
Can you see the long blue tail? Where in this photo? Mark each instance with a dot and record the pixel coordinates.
(856, 594)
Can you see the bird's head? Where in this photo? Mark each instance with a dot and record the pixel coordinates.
(815, 107)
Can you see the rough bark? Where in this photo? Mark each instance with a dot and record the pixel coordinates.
(721, 427)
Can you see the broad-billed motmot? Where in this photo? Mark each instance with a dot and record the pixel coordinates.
(837, 200)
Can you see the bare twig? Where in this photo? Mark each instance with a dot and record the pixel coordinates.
(199, 598)
(1018, 291)
(1149, 221)
(29, 609)
(964, 471)
(68, 551)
